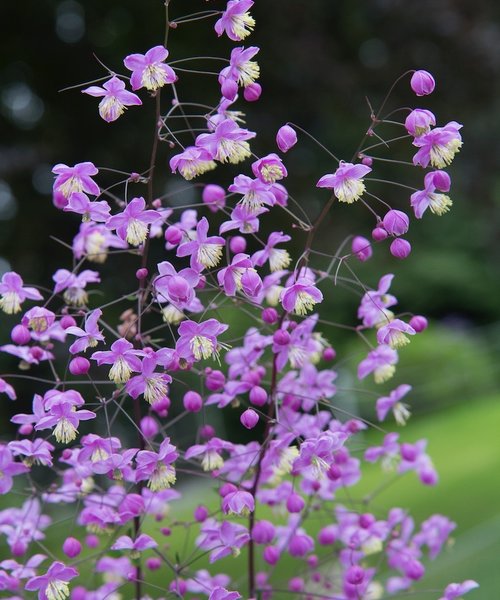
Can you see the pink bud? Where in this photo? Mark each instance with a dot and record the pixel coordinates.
(178, 586)
(200, 513)
(92, 541)
(313, 561)
(166, 531)
(422, 83)
(141, 274)
(59, 200)
(249, 418)
(227, 488)
(20, 335)
(79, 366)
(173, 235)
(149, 427)
(281, 337)
(192, 401)
(271, 555)
(280, 193)
(67, 321)
(361, 248)
(440, 179)
(329, 354)
(153, 563)
(252, 92)
(419, 323)
(214, 196)
(400, 248)
(71, 547)
(419, 121)
(296, 584)
(237, 244)
(263, 532)
(396, 222)
(26, 429)
(270, 315)
(379, 233)
(286, 138)
(367, 160)
(215, 380)
(18, 548)
(415, 570)
(157, 203)
(327, 535)
(355, 575)
(207, 432)
(295, 503)
(258, 396)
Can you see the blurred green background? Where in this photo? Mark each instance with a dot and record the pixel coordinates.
(319, 61)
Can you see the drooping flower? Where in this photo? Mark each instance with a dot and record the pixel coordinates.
(211, 452)
(220, 593)
(74, 285)
(64, 418)
(454, 590)
(380, 362)
(115, 98)
(278, 258)
(8, 469)
(149, 70)
(88, 337)
(233, 277)
(286, 138)
(419, 121)
(37, 451)
(239, 502)
(123, 357)
(392, 402)
(141, 543)
(236, 21)
(198, 341)
(75, 179)
(269, 169)
(439, 146)
(153, 385)
(241, 70)
(373, 309)
(176, 287)
(132, 224)
(301, 296)
(255, 192)
(205, 252)
(79, 203)
(395, 333)
(422, 83)
(346, 182)
(156, 467)
(227, 143)
(13, 293)
(192, 162)
(54, 584)
(437, 202)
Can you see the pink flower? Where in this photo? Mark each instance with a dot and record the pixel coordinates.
(278, 258)
(88, 337)
(286, 138)
(198, 341)
(233, 278)
(269, 169)
(192, 162)
(157, 467)
(132, 224)
(395, 333)
(220, 593)
(115, 98)
(153, 385)
(438, 203)
(241, 69)
(227, 143)
(301, 297)
(65, 419)
(75, 179)
(74, 285)
(238, 503)
(123, 357)
(380, 362)
(256, 193)
(419, 121)
(236, 22)
(386, 403)
(13, 293)
(141, 543)
(205, 252)
(149, 70)
(80, 204)
(54, 584)
(8, 469)
(422, 83)
(346, 182)
(454, 590)
(439, 146)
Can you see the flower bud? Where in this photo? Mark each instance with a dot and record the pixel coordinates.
(227, 488)
(258, 396)
(79, 366)
(20, 335)
(252, 92)
(207, 432)
(419, 323)
(173, 235)
(214, 196)
(286, 138)
(178, 587)
(153, 563)
(141, 274)
(379, 233)
(200, 513)
(214, 380)
(295, 503)
(327, 535)
(280, 193)
(355, 575)
(92, 541)
(71, 547)
(281, 337)
(263, 532)
(396, 222)
(367, 160)
(192, 401)
(149, 427)
(361, 248)
(439, 179)
(271, 555)
(422, 83)
(329, 354)
(229, 89)
(270, 315)
(237, 244)
(67, 321)
(419, 121)
(249, 418)
(400, 248)
(296, 584)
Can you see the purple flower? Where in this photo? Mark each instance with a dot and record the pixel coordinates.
(220, 593)
(192, 162)
(93, 241)
(212, 459)
(75, 179)
(241, 69)
(123, 357)
(74, 285)
(361, 248)
(176, 288)
(153, 385)
(374, 304)
(13, 293)
(286, 138)
(422, 83)
(115, 98)
(157, 467)
(255, 192)
(198, 341)
(278, 258)
(88, 337)
(222, 539)
(243, 220)
(419, 121)
(395, 333)
(80, 204)
(454, 590)
(54, 584)
(6, 388)
(132, 224)
(65, 419)
(149, 70)
(439, 146)
(141, 543)
(236, 21)
(317, 453)
(205, 252)
(414, 458)
(227, 143)
(438, 203)
(392, 401)
(233, 278)
(238, 503)
(8, 469)
(301, 297)
(37, 451)
(269, 169)
(380, 362)
(346, 182)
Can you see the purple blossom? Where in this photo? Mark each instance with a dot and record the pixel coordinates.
(286, 138)
(37, 451)
(269, 169)
(93, 241)
(123, 357)
(74, 285)
(156, 467)
(115, 98)
(6, 388)
(149, 70)
(192, 162)
(132, 224)
(80, 204)
(8, 469)
(64, 419)
(346, 182)
(236, 22)
(176, 287)
(454, 590)
(212, 459)
(395, 333)
(75, 179)
(392, 402)
(374, 304)
(222, 539)
(241, 69)
(238, 503)
(419, 121)
(243, 219)
(88, 337)
(54, 584)
(439, 146)
(227, 143)
(256, 193)
(13, 293)
(278, 258)
(220, 593)
(380, 362)
(234, 277)
(430, 197)
(301, 297)
(198, 341)
(141, 543)
(205, 252)
(152, 384)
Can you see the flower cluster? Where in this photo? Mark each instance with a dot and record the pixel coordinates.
(102, 441)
